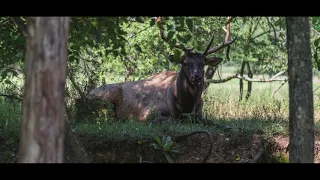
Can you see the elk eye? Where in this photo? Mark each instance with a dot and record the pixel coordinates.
(185, 64)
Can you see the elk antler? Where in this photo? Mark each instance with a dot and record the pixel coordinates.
(208, 47)
(164, 37)
(226, 42)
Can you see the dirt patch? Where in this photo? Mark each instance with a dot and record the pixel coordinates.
(226, 149)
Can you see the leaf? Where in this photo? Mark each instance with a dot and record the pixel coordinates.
(7, 81)
(168, 157)
(138, 48)
(152, 22)
(121, 32)
(156, 138)
(317, 60)
(237, 157)
(163, 140)
(139, 19)
(10, 141)
(115, 53)
(180, 38)
(316, 42)
(139, 142)
(174, 151)
(187, 37)
(170, 35)
(107, 43)
(189, 23)
(169, 27)
(167, 146)
(180, 29)
(94, 23)
(168, 140)
(155, 146)
(181, 22)
(122, 38)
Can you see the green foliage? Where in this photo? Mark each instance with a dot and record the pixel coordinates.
(315, 37)
(167, 147)
(117, 49)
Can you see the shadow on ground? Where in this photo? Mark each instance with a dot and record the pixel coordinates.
(248, 141)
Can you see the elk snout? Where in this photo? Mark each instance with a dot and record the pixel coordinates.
(196, 77)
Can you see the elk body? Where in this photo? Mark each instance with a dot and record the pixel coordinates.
(163, 95)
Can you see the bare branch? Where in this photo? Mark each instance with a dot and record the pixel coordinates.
(250, 75)
(260, 80)
(278, 74)
(262, 34)
(316, 89)
(209, 74)
(238, 76)
(134, 35)
(228, 38)
(241, 81)
(279, 88)
(216, 81)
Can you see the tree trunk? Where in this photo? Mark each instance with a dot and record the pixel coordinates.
(301, 125)
(42, 127)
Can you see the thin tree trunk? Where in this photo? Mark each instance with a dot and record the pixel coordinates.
(301, 117)
(43, 121)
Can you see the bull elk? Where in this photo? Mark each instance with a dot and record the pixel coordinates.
(166, 94)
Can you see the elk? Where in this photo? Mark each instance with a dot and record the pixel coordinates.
(167, 94)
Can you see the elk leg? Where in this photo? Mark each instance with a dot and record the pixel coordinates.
(198, 112)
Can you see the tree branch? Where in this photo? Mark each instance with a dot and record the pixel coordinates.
(246, 79)
(274, 30)
(279, 88)
(265, 32)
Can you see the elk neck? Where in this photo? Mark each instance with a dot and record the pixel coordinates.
(187, 95)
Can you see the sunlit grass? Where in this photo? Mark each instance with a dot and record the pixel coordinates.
(264, 112)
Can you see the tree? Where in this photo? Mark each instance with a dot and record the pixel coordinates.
(301, 118)
(42, 128)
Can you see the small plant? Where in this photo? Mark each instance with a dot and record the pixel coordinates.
(167, 146)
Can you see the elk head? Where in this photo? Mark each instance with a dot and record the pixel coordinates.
(193, 62)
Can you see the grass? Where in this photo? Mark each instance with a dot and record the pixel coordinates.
(263, 112)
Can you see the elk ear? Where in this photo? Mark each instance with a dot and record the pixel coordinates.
(182, 59)
(214, 61)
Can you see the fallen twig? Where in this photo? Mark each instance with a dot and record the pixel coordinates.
(140, 160)
(186, 136)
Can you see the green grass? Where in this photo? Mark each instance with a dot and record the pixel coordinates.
(263, 112)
